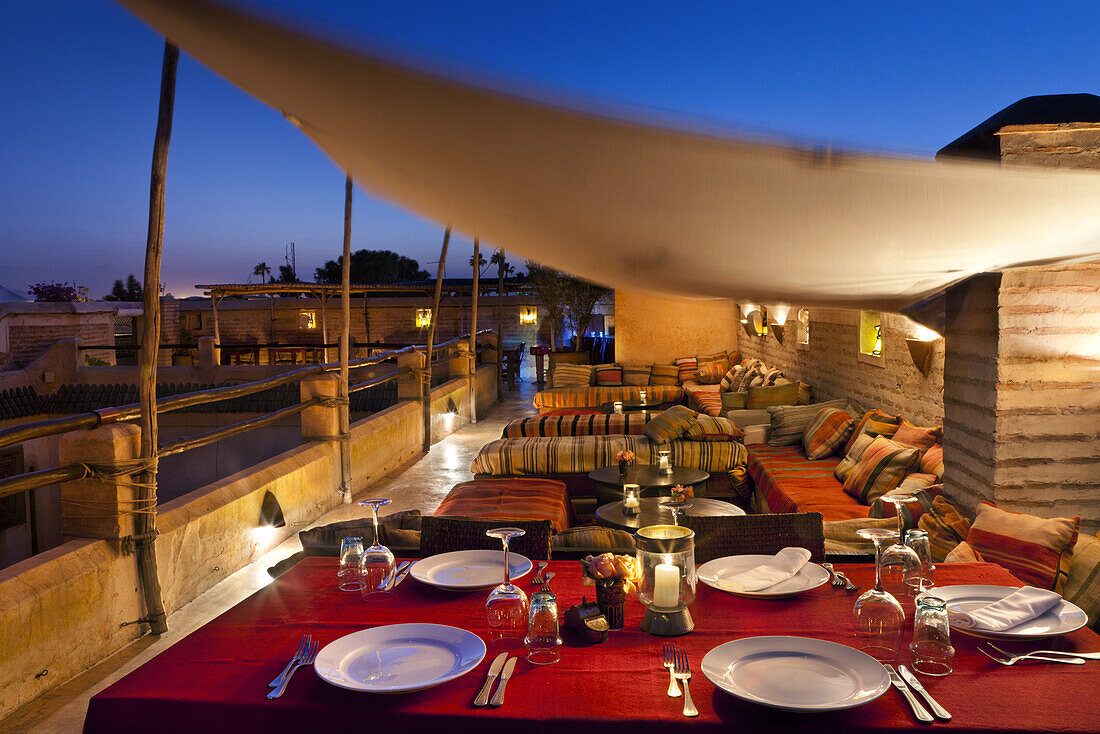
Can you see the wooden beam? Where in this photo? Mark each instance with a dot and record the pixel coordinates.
(426, 385)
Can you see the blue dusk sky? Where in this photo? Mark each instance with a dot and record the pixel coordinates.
(80, 85)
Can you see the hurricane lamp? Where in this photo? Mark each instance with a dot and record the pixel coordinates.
(631, 499)
(666, 557)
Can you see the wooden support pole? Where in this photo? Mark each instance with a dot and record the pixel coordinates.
(342, 390)
(500, 325)
(426, 387)
(324, 326)
(217, 333)
(145, 525)
(473, 332)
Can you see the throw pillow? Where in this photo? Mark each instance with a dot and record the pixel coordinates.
(572, 375)
(757, 380)
(844, 468)
(733, 357)
(825, 432)
(685, 368)
(805, 393)
(875, 423)
(911, 512)
(946, 527)
(719, 358)
(1083, 585)
(594, 538)
(733, 377)
(881, 468)
(710, 374)
(750, 374)
(1036, 550)
(763, 397)
(789, 421)
(709, 428)
(917, 437)
(636, 376)
(609, 375)
(664, 374)
(932, 462)
(669, 425)
(770, 376)
(733, 400)
(963, 553)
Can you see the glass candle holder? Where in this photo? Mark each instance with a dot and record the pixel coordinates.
(631, 499)
(664, 461)
(666, 557)
(643, 395)
(618, 406)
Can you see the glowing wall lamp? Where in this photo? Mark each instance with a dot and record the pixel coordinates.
(271, 514)
(423, 318)
(528, 315)
(920, 347)
(779, 325)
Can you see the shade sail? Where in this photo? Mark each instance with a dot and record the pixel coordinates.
(640, 206)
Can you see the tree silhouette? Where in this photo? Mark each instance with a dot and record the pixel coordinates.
(263, 270)
(286, 275)
(372, 266)
(131, 290)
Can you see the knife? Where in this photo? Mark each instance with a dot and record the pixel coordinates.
(400, 574)
(498, 697)
(916, 685)
(919, 711)
(494, 671)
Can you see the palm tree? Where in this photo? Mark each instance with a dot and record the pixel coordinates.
(262, 270)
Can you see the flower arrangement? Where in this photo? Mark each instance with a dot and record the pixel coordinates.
(680, 493)
(607, 569)
(626, 455)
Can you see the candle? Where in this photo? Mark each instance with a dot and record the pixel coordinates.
(618, 407)
(643, 394)
(666, 586)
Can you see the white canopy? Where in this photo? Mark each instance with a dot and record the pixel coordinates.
(643, 207)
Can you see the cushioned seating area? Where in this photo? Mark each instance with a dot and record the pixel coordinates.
(594, 397)
(703, 398)
(787, 482)
(453, 533)
(589, 424)
(509, 499)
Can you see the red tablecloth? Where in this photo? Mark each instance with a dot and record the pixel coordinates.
(215, 679)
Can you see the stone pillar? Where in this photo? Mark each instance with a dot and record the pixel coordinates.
(320, 422)
(208, 358)
(491, 355)
(408, 384)
(459, 362)
(92, 508)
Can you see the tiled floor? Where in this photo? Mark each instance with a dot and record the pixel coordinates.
(420, 484)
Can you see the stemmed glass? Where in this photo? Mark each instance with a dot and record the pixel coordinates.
(899, 561)
(378, 562)
(506, 607)
(675, 507)
(879, 616)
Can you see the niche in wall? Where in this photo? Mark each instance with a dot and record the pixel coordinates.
(870, 338)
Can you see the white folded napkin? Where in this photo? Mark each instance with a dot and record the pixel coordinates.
(780, 567)
(1018, 607)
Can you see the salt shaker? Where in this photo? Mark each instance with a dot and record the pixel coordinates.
(931, 647)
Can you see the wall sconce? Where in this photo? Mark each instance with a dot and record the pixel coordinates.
(452, 409)
(307, 320)
(423, 318)
(920, 348)
(528, 315)
(755, 322)
(777, 331)
(271, 515)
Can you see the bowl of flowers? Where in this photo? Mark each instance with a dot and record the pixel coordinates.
(614, 576)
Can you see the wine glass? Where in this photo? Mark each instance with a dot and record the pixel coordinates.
(378, 562)
(899, 561)
(675, 507)
(879, 616)
(506, 607)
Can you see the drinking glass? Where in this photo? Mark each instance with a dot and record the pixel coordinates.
(918, 582)
(378, 562)
(543, 641)
(879, 616)
(350, 575)
(506, 607)
(931, 646)
(675, 508)
(899, 562)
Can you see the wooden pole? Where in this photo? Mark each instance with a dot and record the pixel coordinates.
(217, 333)
(500, 325)
(145, 525)
(342, 388)
(473, 332)
(324, 326)
(426, 385)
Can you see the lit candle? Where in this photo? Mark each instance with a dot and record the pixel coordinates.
(666, 586)
(643, 393)
(618, 406)
(630, 496)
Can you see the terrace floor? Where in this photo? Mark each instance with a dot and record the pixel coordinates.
(419, 484)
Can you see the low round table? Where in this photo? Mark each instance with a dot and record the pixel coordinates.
(632, 406)
(650, 483)
(650, 512)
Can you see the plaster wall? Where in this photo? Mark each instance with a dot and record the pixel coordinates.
(655, 329)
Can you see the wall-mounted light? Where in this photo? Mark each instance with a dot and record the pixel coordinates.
(451, 413)
(777, 331)
(271, 514)
(423, 318)
(779, 320)
(307, 320)
(876, 349)
(920, 347)
(528, 315)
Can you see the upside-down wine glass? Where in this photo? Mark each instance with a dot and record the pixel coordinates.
(675, 507)
(879, 617)
(378, 562)
(899, 562)
(506, 607)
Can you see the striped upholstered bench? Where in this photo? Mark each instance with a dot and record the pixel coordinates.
(509, 499)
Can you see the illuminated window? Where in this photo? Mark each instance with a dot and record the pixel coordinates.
(307, 320)
(802, 325)
(528, 315)
(423, 318)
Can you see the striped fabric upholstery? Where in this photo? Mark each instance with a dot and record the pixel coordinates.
(917, 436)
(509, 499)
(805, 393)
(706, 399)
(771, 375)
(710, 428)
(719, 358)
(752, 375)
(1083, 585)
(733, 376)
(571, 375)
(600, 424)
(911, 512)
(844, 468)
(963, 553)
(637, 375)
(789, 421)
(1037, 551)
(594, 397)
(669, 425)
(932, 462)
(765, 397)
(825, 432)
(664, 374)
(609, 375)
(786, 482)
(881, 468)
(685, 368)
(946, 527)
(874, 423)
(711, 374)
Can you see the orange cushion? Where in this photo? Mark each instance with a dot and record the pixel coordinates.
(827, 431)
(875, 423)
(916, 436)
(1036, 550)
(946, 527)
(509, 499)
(881, 468)
(932, 461)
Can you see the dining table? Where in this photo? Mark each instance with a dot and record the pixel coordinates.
(215, 679)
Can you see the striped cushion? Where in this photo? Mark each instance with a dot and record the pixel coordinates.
(764, 397)
(747, 377)
(881, 468)
(874, 423)
(709, 428)
(509, 499)
(946, 527)
(670, 424)
(664, 374)
(711, 374)
(733, 357)
(844, 468)
(825, 432)
(685, 368)
(609, 375)
(704, 398)
(963, 553)
(916, 436)
(638, 376)
(733, 400)
(805, 393)
(733, 376)
(1035, 550)
(599, 424)
(932, 462)
(593, 397)
(1083, 585)
(718, 358)
(789, 421)
(770, 376)
(594, 538)
(572, 375)
(911, 512)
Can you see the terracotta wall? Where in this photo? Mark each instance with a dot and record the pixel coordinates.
(652, 329)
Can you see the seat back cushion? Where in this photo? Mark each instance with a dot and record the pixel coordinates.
(764, 397)
(664, 374)
(711, 374)
(789, 421)
(637, 376)
(685, 368)
(1038, 551)
(946, 527)
(572, 375)
(881, 468)
(1083, 585)
(709, 428)
(826, 432)
(917, 436)
(844, 468)
(608, 375)
(874, 423)
(670, 424)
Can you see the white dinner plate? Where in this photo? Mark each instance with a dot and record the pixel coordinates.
(398, 658)
(1063, 618)
(796, 673)
(809, 576)
(468, 570)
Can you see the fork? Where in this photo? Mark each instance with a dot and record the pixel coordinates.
(669, 654)
(834, 579)
(1013, 659)
(297, 654)
(839, 579)
(546, 581)
(683, 674)
(537, 580)
(306, 659)
(1086, 655)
